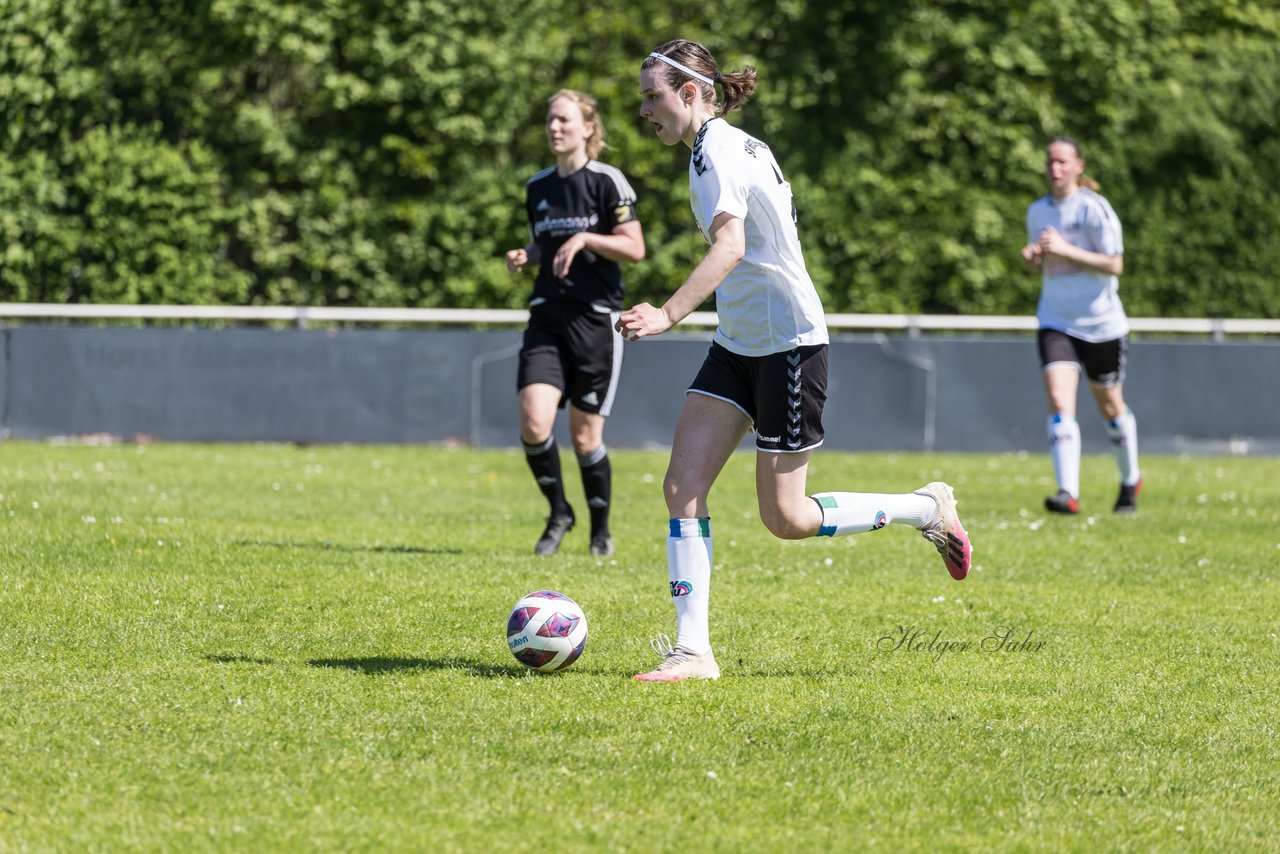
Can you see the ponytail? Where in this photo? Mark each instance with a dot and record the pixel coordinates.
(681, 61)
(737, 86)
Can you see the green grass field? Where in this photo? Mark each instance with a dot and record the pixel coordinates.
(275, 648)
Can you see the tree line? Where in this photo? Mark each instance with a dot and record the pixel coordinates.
(357, 152)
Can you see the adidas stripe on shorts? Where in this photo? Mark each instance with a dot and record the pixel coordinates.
(574, 347)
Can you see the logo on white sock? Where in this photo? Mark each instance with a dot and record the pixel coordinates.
(681, 588)
(881, 520)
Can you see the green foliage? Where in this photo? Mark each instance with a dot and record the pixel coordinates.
(349, 152)
(121, 217)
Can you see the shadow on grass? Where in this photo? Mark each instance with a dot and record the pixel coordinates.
(342, 547)
(375, 665)
(758, 673)
(378, 664)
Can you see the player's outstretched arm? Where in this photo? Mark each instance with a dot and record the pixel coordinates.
(728, 246)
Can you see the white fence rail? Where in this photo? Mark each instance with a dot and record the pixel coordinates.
(300, 316)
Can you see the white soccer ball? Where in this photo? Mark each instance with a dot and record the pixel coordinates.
(546, 631)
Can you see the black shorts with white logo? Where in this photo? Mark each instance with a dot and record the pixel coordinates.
(1103, 361)
(783, 394)
(574, 347)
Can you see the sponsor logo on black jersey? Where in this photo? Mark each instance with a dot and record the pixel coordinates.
(563, 226)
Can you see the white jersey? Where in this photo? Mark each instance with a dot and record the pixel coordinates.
(767, 304)
(1083, 303)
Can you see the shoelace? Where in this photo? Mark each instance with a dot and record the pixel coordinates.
(935, 535)
(672, 656)
(661, 644)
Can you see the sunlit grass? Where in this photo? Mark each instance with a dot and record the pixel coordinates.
(267, 647)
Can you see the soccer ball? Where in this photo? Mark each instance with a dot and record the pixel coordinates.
(546, 631)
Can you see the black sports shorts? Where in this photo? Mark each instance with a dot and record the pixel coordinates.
(574, 347)
(783, 393)
(1103, 361)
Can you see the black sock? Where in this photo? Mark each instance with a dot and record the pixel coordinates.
(597, 478)
(544, 462)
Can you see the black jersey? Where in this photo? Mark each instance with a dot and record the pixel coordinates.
(596, 198)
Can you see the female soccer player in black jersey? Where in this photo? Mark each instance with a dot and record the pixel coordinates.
(582, 222)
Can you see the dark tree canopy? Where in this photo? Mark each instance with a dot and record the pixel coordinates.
(366, 153)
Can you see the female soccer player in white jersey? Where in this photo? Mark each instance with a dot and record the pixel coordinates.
(767, 366)
(1076, 244)
(582, 222)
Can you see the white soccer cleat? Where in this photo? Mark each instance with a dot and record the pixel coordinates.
(679, 663)
(945, 531)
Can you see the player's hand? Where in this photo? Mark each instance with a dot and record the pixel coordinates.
(517, 260)
(643, 320)
(1051, 242)
(1031, 253)
(566, 253)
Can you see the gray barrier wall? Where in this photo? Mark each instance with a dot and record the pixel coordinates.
(422, 386)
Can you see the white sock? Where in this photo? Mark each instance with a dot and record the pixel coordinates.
(854, 512)
(689, 569)
(1064, 448)
(1123, 431)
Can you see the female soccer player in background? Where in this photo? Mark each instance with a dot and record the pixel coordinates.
(767, 366)
(582, 222)
(1076, 244)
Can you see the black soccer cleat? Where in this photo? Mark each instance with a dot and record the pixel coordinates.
(1127, 500)
(1063, 502)
(601, 545)
(557, 527)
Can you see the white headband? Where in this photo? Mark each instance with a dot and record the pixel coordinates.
(678, 67)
